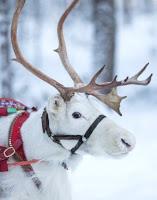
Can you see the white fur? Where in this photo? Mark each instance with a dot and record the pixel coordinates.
(106, 139)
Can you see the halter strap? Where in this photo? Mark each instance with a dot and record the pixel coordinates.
(88, 133)
(81, 138)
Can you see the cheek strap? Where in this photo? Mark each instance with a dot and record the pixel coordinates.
(58, 137)
(88, 133)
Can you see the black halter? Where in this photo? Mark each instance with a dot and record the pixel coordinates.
(57, 138)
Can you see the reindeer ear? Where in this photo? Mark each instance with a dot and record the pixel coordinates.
(55, 103)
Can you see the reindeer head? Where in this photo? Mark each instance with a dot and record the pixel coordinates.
(72, 112)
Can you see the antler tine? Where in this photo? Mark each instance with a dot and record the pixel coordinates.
(112, 99)
(134, 79)
(93, 86)
(61, 50)
(19, 56)
(93, 80)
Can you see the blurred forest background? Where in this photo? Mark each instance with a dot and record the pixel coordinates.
(119, 33)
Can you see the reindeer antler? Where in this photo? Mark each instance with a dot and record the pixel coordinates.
(19, 56)
(112, 99)
(92, 86)
(61, 50)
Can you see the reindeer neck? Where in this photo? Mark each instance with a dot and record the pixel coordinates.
(38, 145)
(42, 147)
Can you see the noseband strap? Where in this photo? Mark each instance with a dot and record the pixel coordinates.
(57, 138)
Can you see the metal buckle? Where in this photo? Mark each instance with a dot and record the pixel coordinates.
(7, 155)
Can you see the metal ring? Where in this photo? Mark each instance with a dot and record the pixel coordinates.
(84, 139)
(9, 155)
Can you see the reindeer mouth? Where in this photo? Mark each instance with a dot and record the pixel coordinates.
(126, 144)
(121, 149)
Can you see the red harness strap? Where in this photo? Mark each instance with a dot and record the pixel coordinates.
(4, 155)
(15, 142)
(15, 139)
(16, 149)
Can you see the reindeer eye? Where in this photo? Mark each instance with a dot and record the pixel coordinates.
(76, 115)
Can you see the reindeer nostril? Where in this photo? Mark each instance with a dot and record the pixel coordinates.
(125, 143)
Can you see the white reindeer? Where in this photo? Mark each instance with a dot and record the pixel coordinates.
(55, 136)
